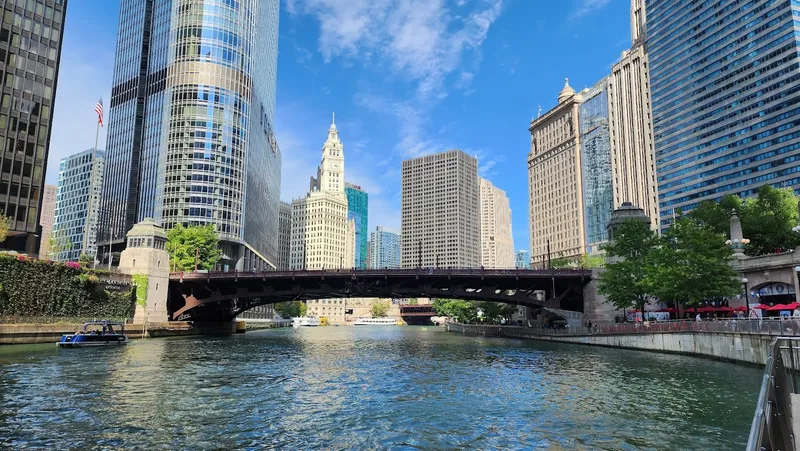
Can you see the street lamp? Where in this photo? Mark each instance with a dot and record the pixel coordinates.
(746, 296)
(796, 294)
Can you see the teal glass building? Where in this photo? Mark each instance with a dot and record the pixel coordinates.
(358, 210)
(725, 88)
(190, 126)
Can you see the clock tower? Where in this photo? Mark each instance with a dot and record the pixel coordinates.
(330, 174)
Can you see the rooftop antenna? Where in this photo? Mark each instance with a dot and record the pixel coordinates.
(539, 112)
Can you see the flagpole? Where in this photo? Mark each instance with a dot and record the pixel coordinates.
(90, 203)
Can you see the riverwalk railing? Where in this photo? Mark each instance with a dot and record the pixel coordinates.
(11, 319)
(755, 326)
(773, 425)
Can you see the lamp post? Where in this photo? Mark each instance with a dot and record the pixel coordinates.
(746, 296)
(796, 294)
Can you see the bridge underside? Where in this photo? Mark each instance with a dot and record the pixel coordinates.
(198, 298)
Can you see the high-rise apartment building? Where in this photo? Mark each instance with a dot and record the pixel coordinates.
(46, 219)
(497, 242)
(75, 205)
(358, 211)
(440, 217)
(30, 46)
(384, 249)
(284, 235)
(555, 181)
(190, 130)
(319, 226)
(596, 174)
(521, 260)
(725, 86)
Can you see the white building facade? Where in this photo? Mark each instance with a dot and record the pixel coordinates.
(497, 243)
(284, 235)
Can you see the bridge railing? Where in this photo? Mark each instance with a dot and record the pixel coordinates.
(380, 272)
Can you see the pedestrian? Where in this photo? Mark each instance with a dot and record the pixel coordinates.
(697, 318)
(796, 313)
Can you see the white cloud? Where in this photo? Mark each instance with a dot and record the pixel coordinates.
(587, 7)
(422, 41)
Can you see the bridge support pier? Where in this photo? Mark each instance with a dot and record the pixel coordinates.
(146, 260)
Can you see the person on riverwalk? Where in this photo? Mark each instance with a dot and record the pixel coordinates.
(698, 318)
(796, 313)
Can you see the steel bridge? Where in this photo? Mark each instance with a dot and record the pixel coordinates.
(220, 296)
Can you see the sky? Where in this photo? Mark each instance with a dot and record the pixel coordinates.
(405, 78)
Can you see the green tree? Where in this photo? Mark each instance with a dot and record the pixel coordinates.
(379, 308)
(4, 224)
(690, 264)
(458, 309)
(625, 279)
(585, 261)
(495, 312)
(59, 242)
(184, 243)
(85, 261)
(291, 309)
(767, 220)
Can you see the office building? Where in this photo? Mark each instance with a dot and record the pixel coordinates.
(319, 229)
(497, 244)
(596, 174)
(350, 245)
(284, 235)
(384, 249)
(30, 46)
(555, 181)
(358, 211)
(725, 86)
(46, 219)
(190, 130)
(521, 260)
(75, 206)
(440, 211)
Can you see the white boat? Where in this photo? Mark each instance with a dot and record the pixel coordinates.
(375, 322)
(305, 321)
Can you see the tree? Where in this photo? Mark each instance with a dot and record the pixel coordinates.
(690, 264)
(85, 260)
(291, 309)
(767, 220)
(4, 224)
(379, 308)
(585, 261)
(495, 312)
(624, 281)
(184, 243)
(59, 242)
(458, 309)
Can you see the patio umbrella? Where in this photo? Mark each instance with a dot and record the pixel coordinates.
(793, 305)
(761, 307)
(725, 309)
(779, 307)
(741, 309)
(706, 309)
(689, 310)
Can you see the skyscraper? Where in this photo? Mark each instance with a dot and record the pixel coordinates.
(725, 84)
(440, 211)
(46, 219)
(31, 34)
(74, 206)
(497, 243)
(190, 133)
(384, 249)
(521, 260)
(358, 211)
(320, 229)
(555, 181)
(284, 235)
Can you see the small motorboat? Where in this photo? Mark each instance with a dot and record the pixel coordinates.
(96, 333)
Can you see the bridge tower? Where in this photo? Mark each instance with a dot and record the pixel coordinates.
(146, 260)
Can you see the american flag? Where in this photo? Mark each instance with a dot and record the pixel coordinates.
(99, 110)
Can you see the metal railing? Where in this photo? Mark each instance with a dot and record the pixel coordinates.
(772, 428)
(380, 272)
(15, 319)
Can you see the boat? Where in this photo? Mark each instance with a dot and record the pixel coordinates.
(375, 322)
(305, 321)
(96, 333)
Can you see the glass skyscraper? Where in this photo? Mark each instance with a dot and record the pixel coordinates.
(30, 51)
(384, 249)
(190, 135)
(73, 208)
(598, 196)
(725, 91)
(358, 210)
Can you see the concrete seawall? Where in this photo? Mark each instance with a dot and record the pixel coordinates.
(51, 333)
(747, 348)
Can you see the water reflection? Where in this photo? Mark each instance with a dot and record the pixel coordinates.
(355, 388)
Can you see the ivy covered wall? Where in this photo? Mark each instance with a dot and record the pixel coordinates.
(32, 288)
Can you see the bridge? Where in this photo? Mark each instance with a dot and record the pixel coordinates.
(221, 296)
(417, 313)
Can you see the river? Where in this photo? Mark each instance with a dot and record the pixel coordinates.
(369, 388)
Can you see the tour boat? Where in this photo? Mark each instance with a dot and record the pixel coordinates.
(305, 321)
(105, 336)
(375, 322)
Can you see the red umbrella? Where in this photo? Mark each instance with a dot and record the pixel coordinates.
(706, 309)
(793, 305)
(762, 307)
(741, 309)
(778, 307)
(689, 310)
(725, 309)
(636, 310)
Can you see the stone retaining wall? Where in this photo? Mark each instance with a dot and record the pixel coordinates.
(51, 333)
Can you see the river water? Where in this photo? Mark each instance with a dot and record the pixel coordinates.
(369, 388)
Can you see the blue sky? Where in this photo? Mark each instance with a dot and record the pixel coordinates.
(405, 78)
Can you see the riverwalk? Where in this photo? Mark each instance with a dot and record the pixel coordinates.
(741, 340)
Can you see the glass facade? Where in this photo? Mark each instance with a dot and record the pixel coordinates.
(358, 211)
(725, 91)
(30, 51)
(521, 260)
(384, 249)
(73, 207)
(598, 194)
(191, 139)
